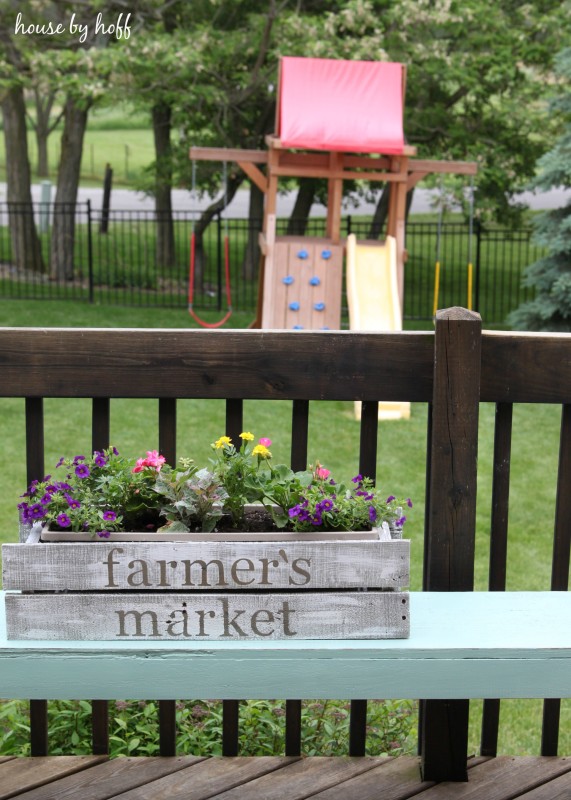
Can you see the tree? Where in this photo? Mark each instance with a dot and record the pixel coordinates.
(551, 275)
(82, 75)
(26, 250)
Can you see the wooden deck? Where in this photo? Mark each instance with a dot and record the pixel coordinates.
(276, 778)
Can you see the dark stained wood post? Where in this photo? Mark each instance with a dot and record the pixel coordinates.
(451, 515)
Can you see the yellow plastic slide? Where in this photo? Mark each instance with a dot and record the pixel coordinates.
(372, 294)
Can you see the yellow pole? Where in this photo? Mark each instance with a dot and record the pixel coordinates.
(470, 270)
(436, 287)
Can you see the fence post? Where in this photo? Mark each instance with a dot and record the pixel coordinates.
(219, 258)
(451, 515)
(478, 229)
(90, 251)
(107, 181)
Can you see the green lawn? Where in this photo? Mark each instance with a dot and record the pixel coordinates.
(334, 437)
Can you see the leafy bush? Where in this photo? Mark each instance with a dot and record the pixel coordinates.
(134, 728)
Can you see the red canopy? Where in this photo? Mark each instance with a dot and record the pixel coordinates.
(347, 106)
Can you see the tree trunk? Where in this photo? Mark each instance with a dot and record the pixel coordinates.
(382, 211)
(26, 249)
(162, 122)
(255, 216)
(43, 129)
(297, 223)
(63, 232)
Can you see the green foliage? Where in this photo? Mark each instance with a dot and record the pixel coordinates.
(550, 276)
(194, 498)
(134, 729)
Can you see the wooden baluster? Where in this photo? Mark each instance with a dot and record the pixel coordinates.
(35, 471)
(100, 440)
(498, 550)
(560, 568)
(231, 708)
(167, 448)
(368, 468)
(299, 440)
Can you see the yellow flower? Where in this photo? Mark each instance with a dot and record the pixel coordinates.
(261, 451)
(219, 443)
(247, 436)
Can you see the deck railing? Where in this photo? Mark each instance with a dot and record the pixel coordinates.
(451, 371)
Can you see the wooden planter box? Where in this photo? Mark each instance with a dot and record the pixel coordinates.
(207, 588)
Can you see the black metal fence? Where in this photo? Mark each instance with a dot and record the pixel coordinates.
(135, 258)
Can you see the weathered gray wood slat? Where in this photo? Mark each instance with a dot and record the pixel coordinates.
(300, 779)
(393, 779)
(208, 617)
(232, 364)
(209, 778)
(196, 566)
(24, 774)
(109, 778)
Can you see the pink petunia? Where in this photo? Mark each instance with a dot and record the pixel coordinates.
(265, 441)
(322, 473)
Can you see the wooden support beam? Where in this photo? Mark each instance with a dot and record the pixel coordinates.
(228, 154)
(452, 167)
(255, 175)
(334, 198)
(338, 174)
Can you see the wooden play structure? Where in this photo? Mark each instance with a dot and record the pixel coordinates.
(337, 120)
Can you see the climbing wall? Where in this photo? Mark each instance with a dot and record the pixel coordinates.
(302, 285)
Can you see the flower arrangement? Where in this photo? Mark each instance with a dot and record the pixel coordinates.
(101, 493)
(107, 492)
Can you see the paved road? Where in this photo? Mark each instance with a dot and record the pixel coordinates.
(124, 199)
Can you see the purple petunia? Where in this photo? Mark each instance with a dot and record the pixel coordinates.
(63, 520)
(400, 522)
(100, 460)
(82, 471)
(391, 498)
(109, 516)
(36, 511)
(372, 514)
(357, 479)
(409, 502)
(72, 502)
(103, 534)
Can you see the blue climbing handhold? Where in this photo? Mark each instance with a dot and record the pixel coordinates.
(314, 281)
(319, 306)
(288, 280)
(297, 327)
(303, 254)
(294, 306)
(326, 254)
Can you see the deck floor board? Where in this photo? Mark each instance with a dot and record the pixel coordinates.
(282, 778)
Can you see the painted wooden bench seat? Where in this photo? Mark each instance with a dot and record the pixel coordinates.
(462, 645)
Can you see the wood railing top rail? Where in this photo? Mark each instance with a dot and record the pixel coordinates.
(314, 365)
